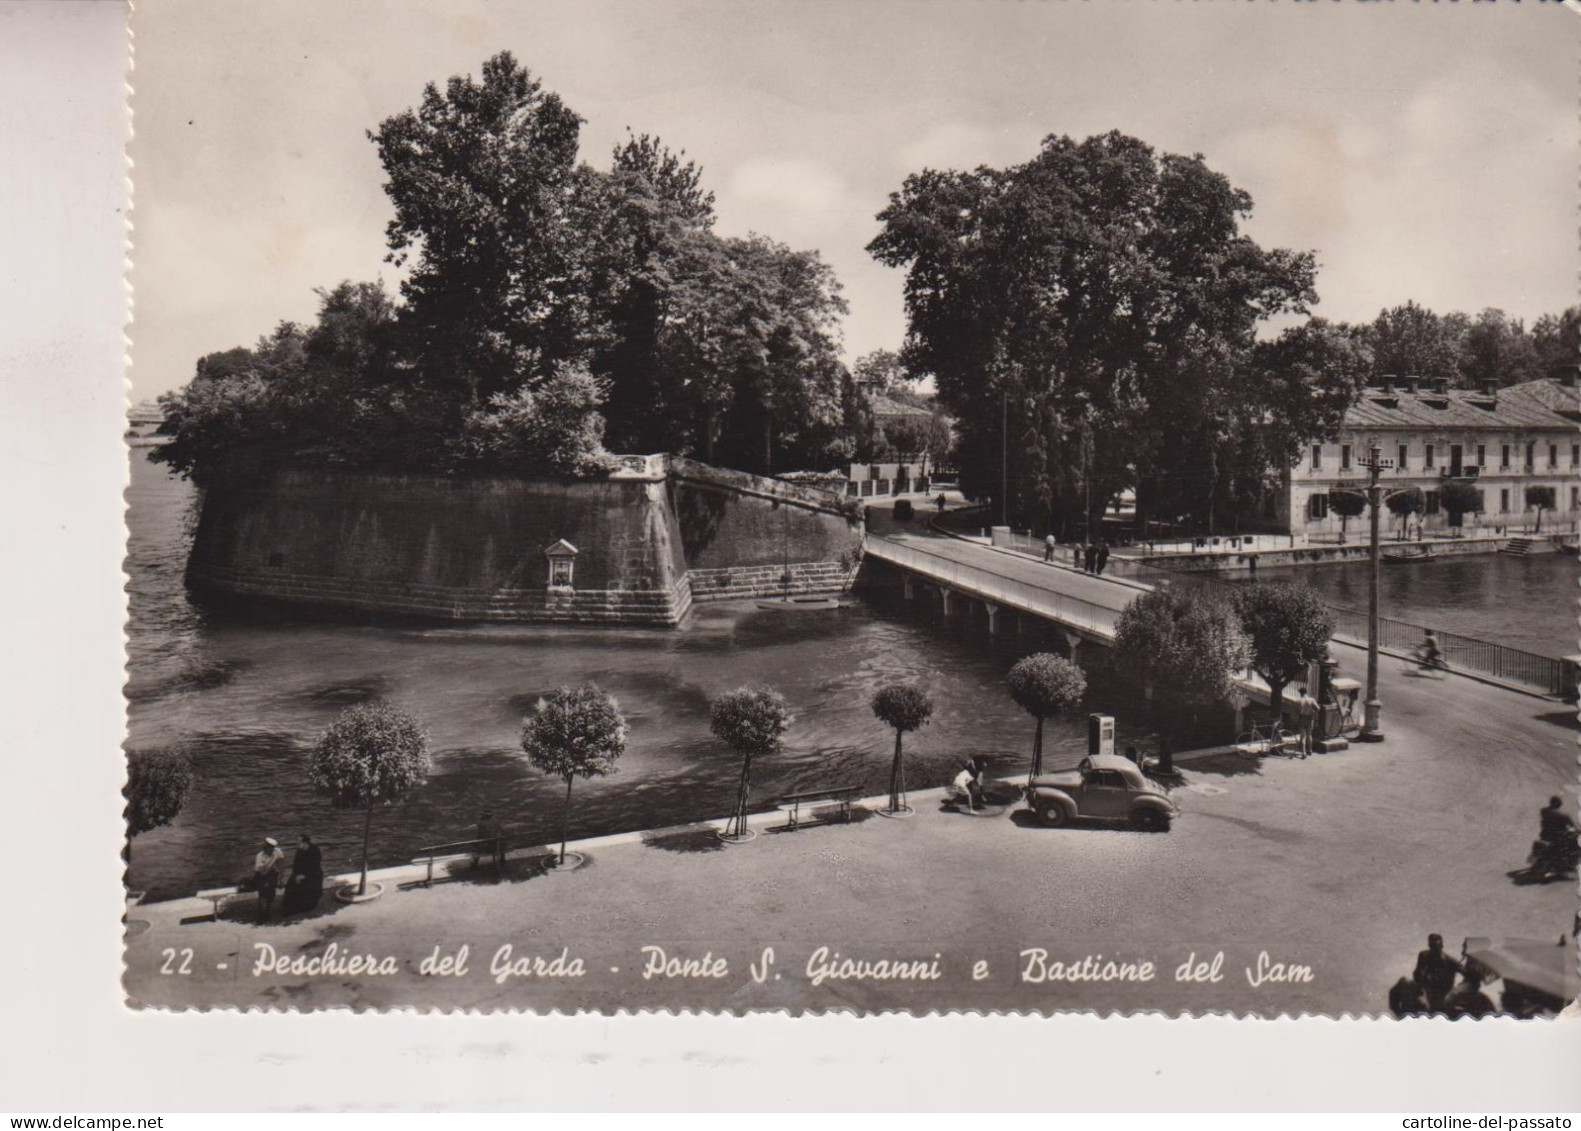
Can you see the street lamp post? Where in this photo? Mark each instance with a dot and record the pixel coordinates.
(1371, 730)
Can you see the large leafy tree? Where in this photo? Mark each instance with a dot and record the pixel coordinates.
(1185, 646)
(578, 732)
(1044, 685)
(489, 200)
(1557, 339)
(1404, 503)
(1287, 627)
(157, 783)
(1348, 505)
(1089, 312)
(371, 755)
(1411, 340)
(1498, 350)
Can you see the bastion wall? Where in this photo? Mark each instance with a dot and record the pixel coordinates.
(648, 541)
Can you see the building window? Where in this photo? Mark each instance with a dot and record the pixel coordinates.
(1344, 457)
(1553, 455)
(1427, 461)
(1317, 457)
(1432, 502)
(1317, 507)
(1575, 455)
(1531, 456)
(1504, 500)
(1404, 462)
(1575, 498)
(1504, 456)
(1482, 455)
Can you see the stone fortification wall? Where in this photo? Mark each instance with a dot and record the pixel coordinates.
(748, 536)
(474, 548)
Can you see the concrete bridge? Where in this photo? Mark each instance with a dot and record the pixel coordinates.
(970, 575)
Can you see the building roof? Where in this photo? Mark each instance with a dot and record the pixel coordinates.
(1542, 404)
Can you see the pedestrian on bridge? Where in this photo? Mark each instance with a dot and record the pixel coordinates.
(1048, 548)
(1075, 555)
(1101, 557)
(1089, 557)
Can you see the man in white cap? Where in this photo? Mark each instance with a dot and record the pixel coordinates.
(266, 874)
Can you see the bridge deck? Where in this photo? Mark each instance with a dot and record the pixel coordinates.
(1069, 597)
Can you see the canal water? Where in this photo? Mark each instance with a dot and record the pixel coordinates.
(1523, 602)
(245, 696)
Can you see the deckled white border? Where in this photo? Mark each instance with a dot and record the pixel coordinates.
(69, 1046)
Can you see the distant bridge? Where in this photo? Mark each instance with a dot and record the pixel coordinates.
(969, 573)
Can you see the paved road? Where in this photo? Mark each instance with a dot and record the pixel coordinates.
(1342, 863)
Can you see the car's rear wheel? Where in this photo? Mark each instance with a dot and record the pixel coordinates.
(1150, 820)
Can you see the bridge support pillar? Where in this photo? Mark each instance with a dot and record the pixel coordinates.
(944, 591)
(908, 586)
(1073, 640)
(993, 616)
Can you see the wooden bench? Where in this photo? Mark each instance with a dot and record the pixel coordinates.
(459, 850)
(841, 795)
(220, 896)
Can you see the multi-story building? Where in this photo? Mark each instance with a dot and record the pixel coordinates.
(1499, 440)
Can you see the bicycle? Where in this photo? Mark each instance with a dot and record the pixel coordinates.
(1268, 738)
(1429, 665)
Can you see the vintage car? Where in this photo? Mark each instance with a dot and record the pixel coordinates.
(1106, 787)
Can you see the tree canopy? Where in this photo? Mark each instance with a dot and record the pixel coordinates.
(1186, 644)
(157, 783)
(372, 754)
(578, 732)
(541, 296)
(1101, 298)
(1287, 626)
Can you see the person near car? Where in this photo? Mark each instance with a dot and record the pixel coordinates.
(965, 786)
(1467, 999)
(1435, 973)
(1307, 713)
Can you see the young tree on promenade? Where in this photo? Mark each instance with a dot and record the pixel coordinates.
(1539, 498)
(157, 783)
(1403, 504)
(905, 708)
(372, 754)
(1185, 648)
(1458, 500)
(1287, 627)
(1099, 289)
(1043, 685)
(752, 721)
(1348, 505)
(578, 732)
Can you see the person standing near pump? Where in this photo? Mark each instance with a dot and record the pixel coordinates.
(1306, 712)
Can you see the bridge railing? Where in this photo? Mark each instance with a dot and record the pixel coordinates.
(985, 585)
(1465, 653)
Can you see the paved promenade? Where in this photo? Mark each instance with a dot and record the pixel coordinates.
(1342, 863)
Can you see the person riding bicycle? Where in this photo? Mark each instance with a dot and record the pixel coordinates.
(1429, 652)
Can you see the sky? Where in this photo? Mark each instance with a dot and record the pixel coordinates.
(1422, 151)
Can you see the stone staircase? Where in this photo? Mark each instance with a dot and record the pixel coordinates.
(1520, 547)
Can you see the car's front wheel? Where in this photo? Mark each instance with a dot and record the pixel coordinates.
(1053, 813)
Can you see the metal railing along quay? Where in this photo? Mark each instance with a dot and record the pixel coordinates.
(1545, 674)
(998, 589)
(1463, 653)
